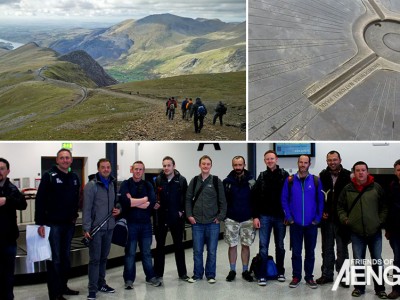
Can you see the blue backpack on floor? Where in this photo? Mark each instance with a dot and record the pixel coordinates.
(256, 263)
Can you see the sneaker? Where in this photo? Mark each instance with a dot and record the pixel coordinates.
(381, 295)
(247, 276)
(184, 277)
(294, 283)
(106, 289)
(281, 278)
(154, 281)
(193, 279)
(311, 283)
(129, 285)
(323, 279)
(231, 276)
(357, 293)
(262, 282)
(91, 296)
(211, 280)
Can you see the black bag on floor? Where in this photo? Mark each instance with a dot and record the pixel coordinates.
(256, 264)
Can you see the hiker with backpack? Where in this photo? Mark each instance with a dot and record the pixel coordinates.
(183, 108)
(268, 214)
(220, 111)
(189, 109)
(172, 105)
(303, 204)
(199, 112)
(169, 215)
(205, 210)
(100, 198)
(238, 223)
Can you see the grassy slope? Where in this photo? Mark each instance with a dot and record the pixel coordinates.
(227, 87)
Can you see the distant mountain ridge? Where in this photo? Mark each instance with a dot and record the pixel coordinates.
(93, 70)
(162, 46)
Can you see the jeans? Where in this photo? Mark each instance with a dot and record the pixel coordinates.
(58, 268)
(395, 244)
(205, 234)
(142, 234)
(7, 266)
(160, 232)
(298, 234)
(267, 223)
(329, 234)
(99, 248)
(374, 244)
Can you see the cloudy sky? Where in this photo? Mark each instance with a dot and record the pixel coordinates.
(225, 10)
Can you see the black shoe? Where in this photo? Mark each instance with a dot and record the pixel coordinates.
(247, 276)
(184, 277)
(323, 279)
(231, 276)
(70, 292)
(344, 285)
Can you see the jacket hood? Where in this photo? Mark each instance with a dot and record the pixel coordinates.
(359, 187)
(232, 175)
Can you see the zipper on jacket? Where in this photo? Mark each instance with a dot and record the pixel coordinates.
(302, 196)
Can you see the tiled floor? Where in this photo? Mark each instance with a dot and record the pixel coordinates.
(176, 289)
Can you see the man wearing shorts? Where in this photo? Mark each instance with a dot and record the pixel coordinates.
(238, 222)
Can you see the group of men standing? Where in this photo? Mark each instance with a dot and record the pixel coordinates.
(346, 208)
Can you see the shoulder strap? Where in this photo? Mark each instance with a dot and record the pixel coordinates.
(356, 200)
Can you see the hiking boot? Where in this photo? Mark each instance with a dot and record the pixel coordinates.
(344, 285)
(154, 281)
(381, 295)
(91, 296)
(106, 289)
(311, 283)
(394, 294)
(262, 282)
(211, 280)
(281, 278)
(323, 279)
(294, 283)
(357, 293)
(231, 276)
(247, 276)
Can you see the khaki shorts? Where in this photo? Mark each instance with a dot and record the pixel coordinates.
(234, 230)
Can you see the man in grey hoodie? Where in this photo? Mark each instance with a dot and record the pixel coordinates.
(99, 201)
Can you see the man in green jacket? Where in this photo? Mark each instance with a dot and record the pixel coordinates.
(361, 207)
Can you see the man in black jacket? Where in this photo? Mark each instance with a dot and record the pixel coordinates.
(393, 225)
(334, 178)
(10, 200)
(169, 213)
(56, 206)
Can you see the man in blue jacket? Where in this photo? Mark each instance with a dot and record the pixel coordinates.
(303, 204)
(137, 201)
(238, 222)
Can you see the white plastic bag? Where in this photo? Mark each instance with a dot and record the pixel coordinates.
(38, 248)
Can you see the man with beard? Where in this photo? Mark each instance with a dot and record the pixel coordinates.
(268, 214)
(303, 204)
(362, 208)
(169, 213)
(238, 222)
(334, 178)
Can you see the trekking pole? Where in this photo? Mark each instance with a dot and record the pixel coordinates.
(85, 240)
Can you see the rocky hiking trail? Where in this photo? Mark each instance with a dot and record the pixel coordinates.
(154, 125)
